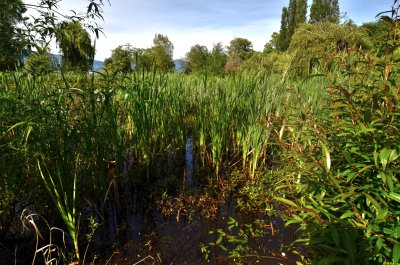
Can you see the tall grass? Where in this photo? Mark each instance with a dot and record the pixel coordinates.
(56, 117)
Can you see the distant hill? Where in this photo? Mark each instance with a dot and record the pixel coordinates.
(180, 65)
(97, 65)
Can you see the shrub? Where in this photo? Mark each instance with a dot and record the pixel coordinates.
(312, 42)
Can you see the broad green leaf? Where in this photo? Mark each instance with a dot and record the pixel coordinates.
(386, 156)
(396, 253)
(394, 196)
(346, 215)
(379, 243)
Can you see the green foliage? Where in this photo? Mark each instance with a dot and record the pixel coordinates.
(240, 49)
(346, 160)
(65, 201)
(44, 26)
(284, 40)
(76, 46)
(217, 60)
(144, 60)
(292, 17)
(162, 52)
(379, 33)
(337, 243)
(198, 58)
(11, 44)
(235, 240)
(19, 33)
(40, 62)
(325, 11)
(301, 12)
(273, 44)
(313, 43)
(203, 61)
(121, 59)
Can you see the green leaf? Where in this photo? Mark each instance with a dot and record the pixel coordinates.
(346, 215)
(394, 196)
(373, 201)
(347, 156)
(396, 253)
(286, 201)
(386, 156)
(379, 243)
(223, 248)
(390, 182)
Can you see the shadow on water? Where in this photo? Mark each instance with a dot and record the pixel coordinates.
(143, 235)
(135, 229)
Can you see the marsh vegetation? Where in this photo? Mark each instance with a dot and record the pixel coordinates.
(282, 157)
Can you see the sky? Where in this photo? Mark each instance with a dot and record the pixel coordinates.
(204, 22)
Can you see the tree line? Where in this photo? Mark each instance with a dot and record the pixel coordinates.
(297, 44)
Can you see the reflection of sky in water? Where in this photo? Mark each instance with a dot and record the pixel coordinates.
(189, 161)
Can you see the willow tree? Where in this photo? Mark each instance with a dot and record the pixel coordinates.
(313, 41)
(75, 45)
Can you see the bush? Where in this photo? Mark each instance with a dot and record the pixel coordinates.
(347, 160)
(312, 42)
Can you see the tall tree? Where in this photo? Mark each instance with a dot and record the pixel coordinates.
(11, 44)
(121, 59)
(76, 46)
(198, 58)
(143, 59)
(240, 49)
(325, 10)
(292, 17)
(217, 59)
(272, 44)
(162, 52)
(283, 40)
(292, 10)
(301, 12)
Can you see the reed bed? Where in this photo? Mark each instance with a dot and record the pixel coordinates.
(88, 128)
(103, 118)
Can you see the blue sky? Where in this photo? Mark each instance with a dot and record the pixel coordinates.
(188, 22)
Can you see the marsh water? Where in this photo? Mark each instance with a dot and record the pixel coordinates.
(135, 228)
(146, 235)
